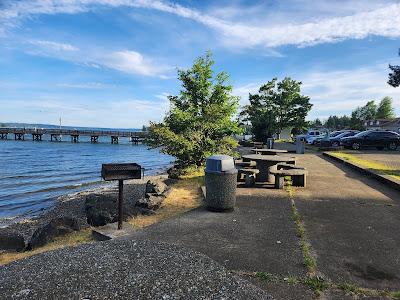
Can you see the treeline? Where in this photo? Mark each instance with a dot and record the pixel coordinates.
(370, 111)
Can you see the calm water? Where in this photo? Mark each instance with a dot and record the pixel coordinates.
(34, 174)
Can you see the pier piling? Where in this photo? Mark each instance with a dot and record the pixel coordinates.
(55, 134)
(74, 138)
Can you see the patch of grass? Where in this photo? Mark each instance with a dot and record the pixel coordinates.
(395, 295)
(316, 283)
(308, 259)
(185, 195)
(349, 288)
(371, 165)
(292, 280)
(72, 239)
(192, 172)
(267, 277)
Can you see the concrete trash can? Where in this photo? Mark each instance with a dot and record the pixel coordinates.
(270, 143)
(300, 146)
(220, 181)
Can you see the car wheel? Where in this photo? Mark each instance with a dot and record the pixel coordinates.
(392, 146)
(335, 144)
(356, 146)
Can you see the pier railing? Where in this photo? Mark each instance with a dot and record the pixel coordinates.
(55, 134)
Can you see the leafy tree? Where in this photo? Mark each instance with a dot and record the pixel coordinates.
(362, 114)
(316, 123)
(200, 121)
(385, 109)
(394, 76)
(276, 106)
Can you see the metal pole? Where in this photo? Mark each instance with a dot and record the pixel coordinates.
(120, 200)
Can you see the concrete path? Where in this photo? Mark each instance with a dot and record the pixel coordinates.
(259, 236)
(352, 223)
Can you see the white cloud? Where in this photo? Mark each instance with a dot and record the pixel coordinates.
(338, 92)
(54, 45)
(132, 62)
(125, 113)
(85, 85)
(127, 61)
(381, 18)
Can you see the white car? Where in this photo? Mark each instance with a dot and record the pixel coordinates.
(312, 136)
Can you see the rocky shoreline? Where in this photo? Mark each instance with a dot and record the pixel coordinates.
(80, 210)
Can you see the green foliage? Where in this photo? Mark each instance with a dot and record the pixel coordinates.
(200, 121)
(349, 288)
(394, 76)
(396, 295)
(362, 114)
(316, 283)
(276, 106)
(337, 123)
(267, 277)
(292, 280)
(385, 109)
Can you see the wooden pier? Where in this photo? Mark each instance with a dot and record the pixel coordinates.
(55, 135)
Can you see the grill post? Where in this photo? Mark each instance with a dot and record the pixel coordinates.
(120, 202)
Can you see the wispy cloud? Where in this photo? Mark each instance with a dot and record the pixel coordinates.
(132, 62)
(85, 85)
(127, 61)
(337, 92)
(54, 45)
(83, 113)
(380, 20)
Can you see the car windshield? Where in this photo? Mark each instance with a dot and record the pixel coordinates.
(336, 133)
(340, 135)
(362, 133)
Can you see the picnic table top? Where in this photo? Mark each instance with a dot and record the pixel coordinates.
(273, 158)
(269, 150)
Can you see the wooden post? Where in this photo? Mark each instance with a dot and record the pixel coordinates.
(120, 202)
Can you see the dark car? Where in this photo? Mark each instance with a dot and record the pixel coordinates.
(372, 138)
(334, 138)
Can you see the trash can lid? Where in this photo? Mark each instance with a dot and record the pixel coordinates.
(220, 164)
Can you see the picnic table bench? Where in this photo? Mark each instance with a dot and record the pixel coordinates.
(298, 176)
(265, 162)
(249, 176)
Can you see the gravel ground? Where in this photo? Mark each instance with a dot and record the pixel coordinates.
(123, 269)
(73, 205)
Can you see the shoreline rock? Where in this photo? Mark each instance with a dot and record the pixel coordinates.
(72, 206)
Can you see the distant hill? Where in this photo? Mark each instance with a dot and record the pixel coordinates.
(30, 125)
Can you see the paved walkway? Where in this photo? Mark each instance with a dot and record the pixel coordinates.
(352, 223)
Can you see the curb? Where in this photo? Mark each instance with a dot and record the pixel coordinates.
(394, 184)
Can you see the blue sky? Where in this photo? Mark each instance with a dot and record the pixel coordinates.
(111, 63)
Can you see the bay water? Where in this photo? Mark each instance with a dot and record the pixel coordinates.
(34, 174)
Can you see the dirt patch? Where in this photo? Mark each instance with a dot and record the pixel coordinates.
(184, 195)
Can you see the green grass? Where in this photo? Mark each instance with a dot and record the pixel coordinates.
(267, 277)
(395, 295)
(349, 288)
(292, 280)
(316, 283)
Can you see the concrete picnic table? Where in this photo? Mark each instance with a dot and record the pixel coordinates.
(268, 151)
(265, 162)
